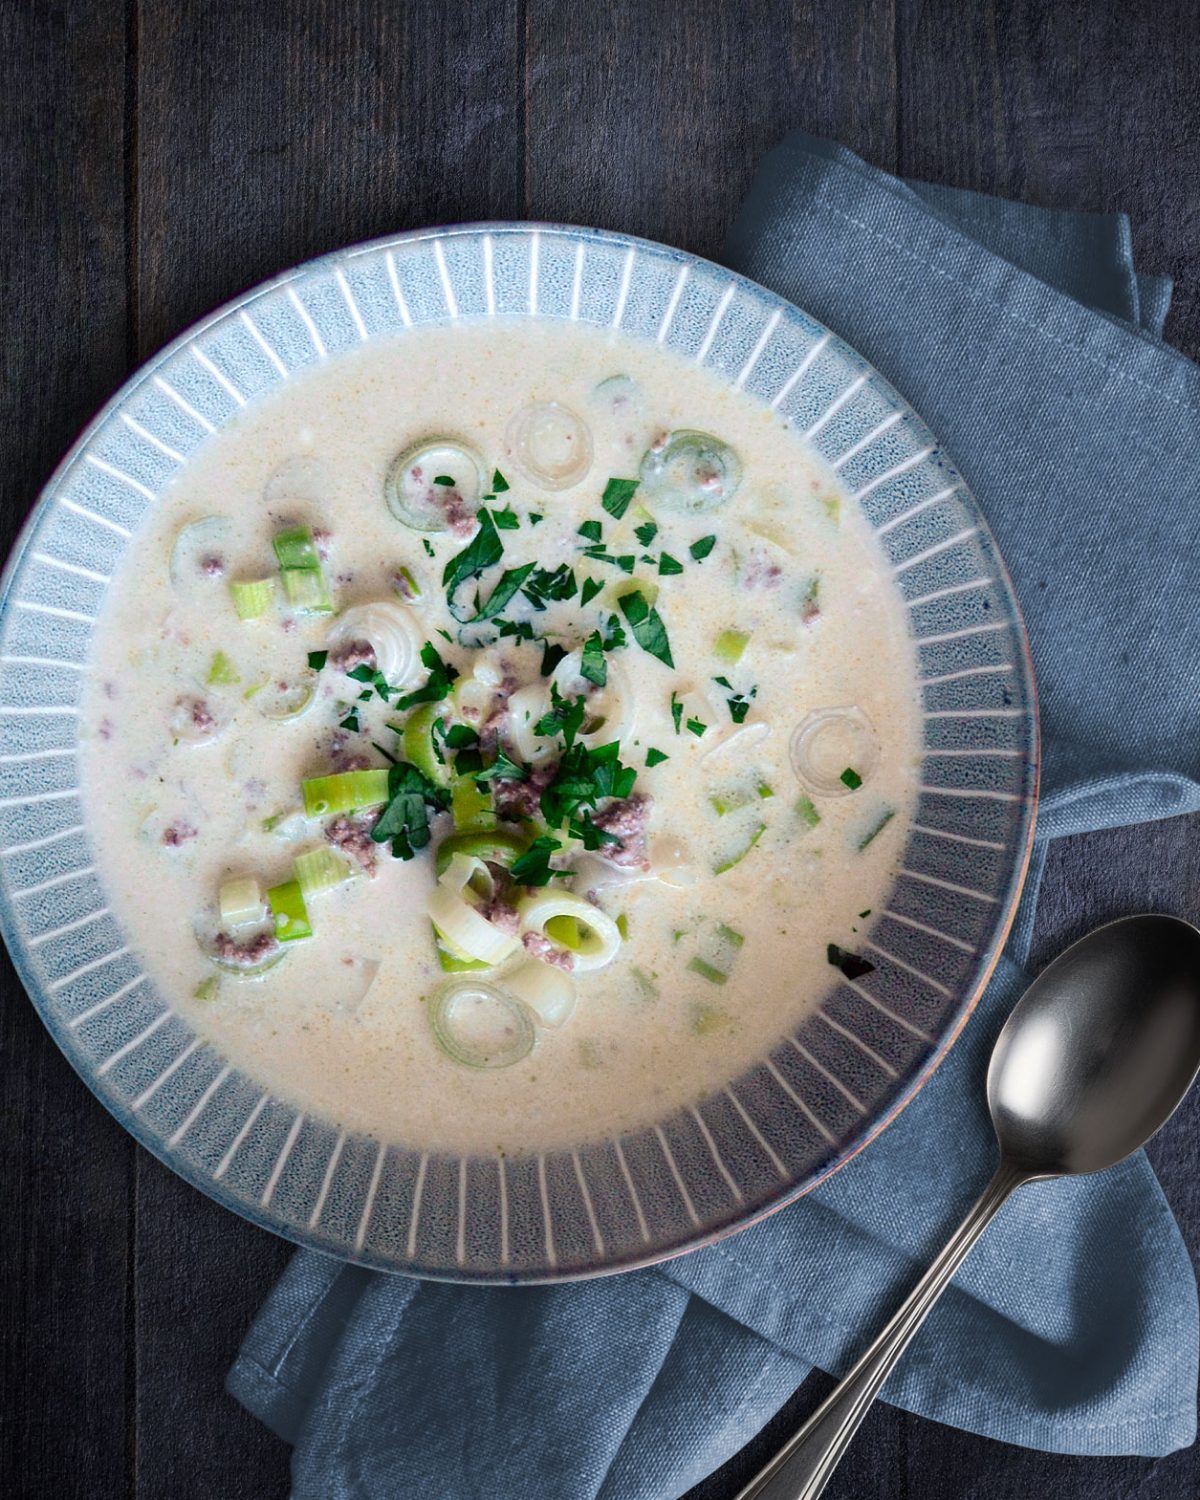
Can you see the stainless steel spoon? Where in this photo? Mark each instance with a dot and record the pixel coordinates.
(1096, 1056)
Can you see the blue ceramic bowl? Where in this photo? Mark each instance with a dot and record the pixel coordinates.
(772, 1132)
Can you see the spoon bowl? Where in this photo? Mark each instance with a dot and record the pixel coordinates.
(1100, 1050)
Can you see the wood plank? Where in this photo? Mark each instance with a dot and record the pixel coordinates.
(317, 129)
(64, 1162)
(671, 107)
(1084, 105)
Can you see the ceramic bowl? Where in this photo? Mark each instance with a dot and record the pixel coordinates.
(773, 1131)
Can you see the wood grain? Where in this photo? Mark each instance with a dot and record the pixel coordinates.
(163, 154)
(65, 1164)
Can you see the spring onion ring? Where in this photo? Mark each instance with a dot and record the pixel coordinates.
(828, 743)
(394, 635)
(454, 915)
(413, 495)
(550, 445)
(480, 1025)
(546, 990)
(690, 472)
(598, 938)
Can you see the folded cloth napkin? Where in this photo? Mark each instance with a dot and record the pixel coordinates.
(1032, 347)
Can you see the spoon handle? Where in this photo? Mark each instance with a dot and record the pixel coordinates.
(802, 1467)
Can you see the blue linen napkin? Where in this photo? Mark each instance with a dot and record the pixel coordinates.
(1032, 347)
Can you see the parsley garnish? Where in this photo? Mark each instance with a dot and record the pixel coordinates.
(676, 711)
(533, 867)
(584, 828)
(591, 587)
(703, 547)
(625, 562)
(739, 707)
(584, 777)
(565, 715)
(438, 684)
(405, 820)
(446, 480)
(521, 630)
(648, 629)
(646, 532)
(552, 654)
(317, 659)
(502, 769)
(499, 483)
(592, 530)
(851, 965)
(506, 519)
(546, 584)
(350, 722)
(667, 564)
(614, 634)
(697, 726)
(535, 519)
(851, 778)
(655, 757)
(510, 581)
(617, 495)
(459, 736)
(482, 551)
(428, 545)
(592, 665)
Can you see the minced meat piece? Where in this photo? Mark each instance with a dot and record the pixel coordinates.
(248, 954)
(352, 654)
(178, 833)
(522, 799)
(353, 838)
(540, 947)
(500, 915)
(626, 820)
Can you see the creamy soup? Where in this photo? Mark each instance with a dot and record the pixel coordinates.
(495, 736)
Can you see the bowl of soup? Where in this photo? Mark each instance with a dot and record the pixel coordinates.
(519, 753)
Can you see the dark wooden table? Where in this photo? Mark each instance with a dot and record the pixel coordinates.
(160, 155)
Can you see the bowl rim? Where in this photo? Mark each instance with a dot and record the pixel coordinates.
(789, 1192)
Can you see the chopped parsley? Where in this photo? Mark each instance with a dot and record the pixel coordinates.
(697, 726)
(676, 711)
(646, 532)
(851, 778)
(702, 548)
(350, 722)
(648, 629)
(437, 685)
(404, 822)
(617, 495)
(851, 964)
(317, 659)
(499, 483)
(614, 634)
(655, 757)
(501, 769)
(591, 587)
(875, 830)
(483, 551)
(550, 584)
(739, 707)
(535, 519)
(428, 545)
(668, 565)
(446, 480)
(583, 778)
(552, 654)
(592, 530)
(506, 519)
(510, 581)
(533, 867)
(592, 665)
(459, 736)
(565, 717)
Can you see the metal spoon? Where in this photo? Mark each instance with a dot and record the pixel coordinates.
(1096, 1056)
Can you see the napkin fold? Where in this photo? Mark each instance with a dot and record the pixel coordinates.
(1032, 346)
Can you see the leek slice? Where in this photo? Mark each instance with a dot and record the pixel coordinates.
(596, 940)
(320, 870)
(295, 549)
(411, 490)
(207, 988)
(451, 961)
(221, 671)
(280, 700)
(471, 805)
(496, 847)
(456, 918)
(192, 544)
(706, 970)
(305, 590)
(479, 1025)
(826, 743)
(546, 990)
(691, 472)
(240, 901)
(806, 811)
(729, 646)
(393, 632)
(740, 854)
(419, 747)
(343, 792)
(289, 911)
(252, 599)
(550, 445)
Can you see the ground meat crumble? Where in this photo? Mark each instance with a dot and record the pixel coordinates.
(178, 833)
(540, 947)
(248, 954)
(352, 837)
(627, 820)
(352, 654)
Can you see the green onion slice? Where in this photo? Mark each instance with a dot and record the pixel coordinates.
(289, 912)
(415, 498)
(252, 599)
(480, 1025)
(343, 792)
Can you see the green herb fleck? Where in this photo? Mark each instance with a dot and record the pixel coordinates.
(703, 547)
(851, 778)
(506, 519)
(552, 654)
(648, 629)
(655, 757)
(668, 565)
(851, 964)
(592, 530)
(446, 480)
(877, 828)
(482, 551)
(437, 685)
(499, 483)
(646, 532)
(591, 587)
(317, 659)
(501, 769)
(697, 726)
(676, 711)
(404, 822)
(617, 495)
(592, 665)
